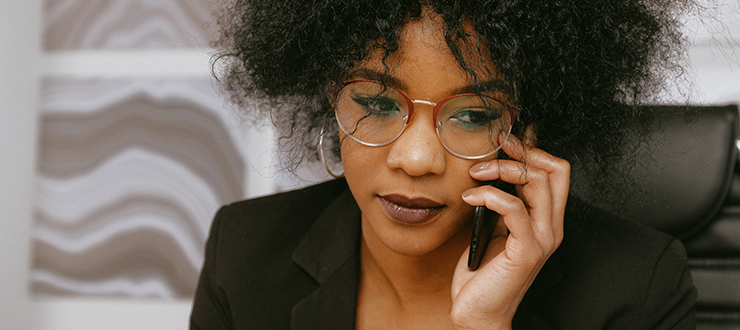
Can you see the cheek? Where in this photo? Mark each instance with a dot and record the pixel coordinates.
(362, 164)
(353, 154)
(363, 170)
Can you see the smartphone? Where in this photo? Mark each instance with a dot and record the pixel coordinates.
(484, 221)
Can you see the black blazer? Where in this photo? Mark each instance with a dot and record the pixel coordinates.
(291, 261)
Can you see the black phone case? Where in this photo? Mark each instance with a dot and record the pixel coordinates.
(484, 222)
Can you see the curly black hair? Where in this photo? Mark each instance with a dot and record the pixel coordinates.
(579, 69)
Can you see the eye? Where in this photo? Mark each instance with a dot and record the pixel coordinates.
(473, 118)
(377, 105)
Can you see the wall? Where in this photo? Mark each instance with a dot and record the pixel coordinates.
(715, 54)
(19, 62)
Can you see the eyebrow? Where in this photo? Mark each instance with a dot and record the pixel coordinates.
(489, 86)
(495, 85)
(370, 74)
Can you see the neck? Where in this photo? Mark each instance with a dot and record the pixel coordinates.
(407, 290)
(412, 278)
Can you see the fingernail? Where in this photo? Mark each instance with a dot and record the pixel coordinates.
(467, 193)
(478, 167)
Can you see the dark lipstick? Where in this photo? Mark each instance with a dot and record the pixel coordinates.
(410, 210)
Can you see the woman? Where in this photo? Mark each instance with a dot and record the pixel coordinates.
(416, 100)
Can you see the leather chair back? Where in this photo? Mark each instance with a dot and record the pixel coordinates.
(690, 171)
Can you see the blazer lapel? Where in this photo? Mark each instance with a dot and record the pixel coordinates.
(329, 253)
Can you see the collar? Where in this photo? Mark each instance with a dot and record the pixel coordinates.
(329, 253)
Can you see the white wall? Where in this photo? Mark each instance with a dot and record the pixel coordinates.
(19, 60)
(715, 56)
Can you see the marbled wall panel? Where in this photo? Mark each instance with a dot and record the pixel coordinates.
(130, 173)
(117, 24)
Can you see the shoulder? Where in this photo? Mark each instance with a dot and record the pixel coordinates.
(248, 262)
(603, 241)
(621, 273)
(272, 222)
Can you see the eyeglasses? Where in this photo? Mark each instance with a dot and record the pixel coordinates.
(468, 125)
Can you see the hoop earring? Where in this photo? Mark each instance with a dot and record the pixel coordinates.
(323, 159)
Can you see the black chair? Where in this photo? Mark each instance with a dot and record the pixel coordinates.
(691, 173)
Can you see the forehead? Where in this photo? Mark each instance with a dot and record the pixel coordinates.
(425, 64)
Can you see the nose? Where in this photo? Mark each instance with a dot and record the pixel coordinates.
(418, 151)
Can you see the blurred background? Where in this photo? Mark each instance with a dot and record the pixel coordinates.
(118, 149)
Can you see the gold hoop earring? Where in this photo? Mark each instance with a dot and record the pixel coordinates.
(323, 159)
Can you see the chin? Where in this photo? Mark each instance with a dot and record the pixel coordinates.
(412, 248)
(418, 242)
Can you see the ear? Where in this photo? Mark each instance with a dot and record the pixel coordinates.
(530, 135)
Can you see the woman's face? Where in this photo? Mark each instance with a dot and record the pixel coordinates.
(410, 191)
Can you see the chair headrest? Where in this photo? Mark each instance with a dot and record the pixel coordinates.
(685, 168)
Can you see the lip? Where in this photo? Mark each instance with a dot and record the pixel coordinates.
(410, 210)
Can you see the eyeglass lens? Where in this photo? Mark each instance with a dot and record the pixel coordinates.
(468, 125)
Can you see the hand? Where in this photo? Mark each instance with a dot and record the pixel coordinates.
(529, 230)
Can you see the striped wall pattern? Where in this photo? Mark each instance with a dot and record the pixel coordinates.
(117, 24)
(130, 169)
(130, 174)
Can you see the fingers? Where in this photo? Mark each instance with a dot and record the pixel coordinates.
(558, 169)
(532, 233)
(529, 230)
(508, 206)
(525, 167)
(542, 183)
